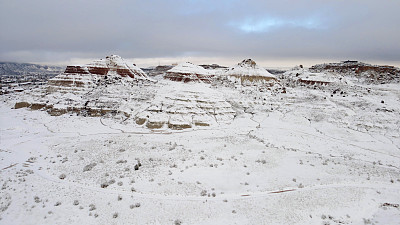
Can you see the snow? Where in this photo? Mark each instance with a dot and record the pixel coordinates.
(190, 68)
(311, 155)
(305, 75)
(322, 77)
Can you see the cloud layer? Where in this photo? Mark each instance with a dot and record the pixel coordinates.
(52, 31)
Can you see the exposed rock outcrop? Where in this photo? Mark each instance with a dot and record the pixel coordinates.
(188, 72)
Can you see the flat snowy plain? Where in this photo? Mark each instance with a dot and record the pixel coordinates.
(302, 157)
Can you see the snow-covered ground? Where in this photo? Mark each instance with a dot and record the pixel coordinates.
(324, 155)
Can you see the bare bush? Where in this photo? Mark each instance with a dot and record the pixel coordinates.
(89, 167)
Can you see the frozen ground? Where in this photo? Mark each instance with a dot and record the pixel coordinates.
(307, 156)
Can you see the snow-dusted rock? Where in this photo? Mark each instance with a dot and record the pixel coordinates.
(188, 72)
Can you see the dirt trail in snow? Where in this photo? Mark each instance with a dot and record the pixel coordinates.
(10, 166)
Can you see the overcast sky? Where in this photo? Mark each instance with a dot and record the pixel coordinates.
(274, 33)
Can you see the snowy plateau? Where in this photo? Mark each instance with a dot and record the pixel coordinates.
(105, 143)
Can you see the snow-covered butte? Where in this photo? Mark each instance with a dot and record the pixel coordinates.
(248, 72)
(188, 72)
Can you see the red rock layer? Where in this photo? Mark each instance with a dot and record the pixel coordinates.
(98, 70)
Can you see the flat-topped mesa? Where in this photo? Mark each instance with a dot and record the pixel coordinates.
(81, 77)
(116, 65)
(248, 73)
(370, 73)
(113, 64)
(188, 72)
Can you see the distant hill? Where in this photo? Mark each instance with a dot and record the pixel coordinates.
(12, 68)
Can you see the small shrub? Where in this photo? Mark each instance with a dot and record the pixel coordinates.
(37, 199)
(89, 167)
(92, 207)
(121, 161)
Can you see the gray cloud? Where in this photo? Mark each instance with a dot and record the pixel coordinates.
(49, 30)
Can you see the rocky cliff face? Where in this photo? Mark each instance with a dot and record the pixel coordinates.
(248, 73)
(83, 78)
(188, 72)
(366, 72)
